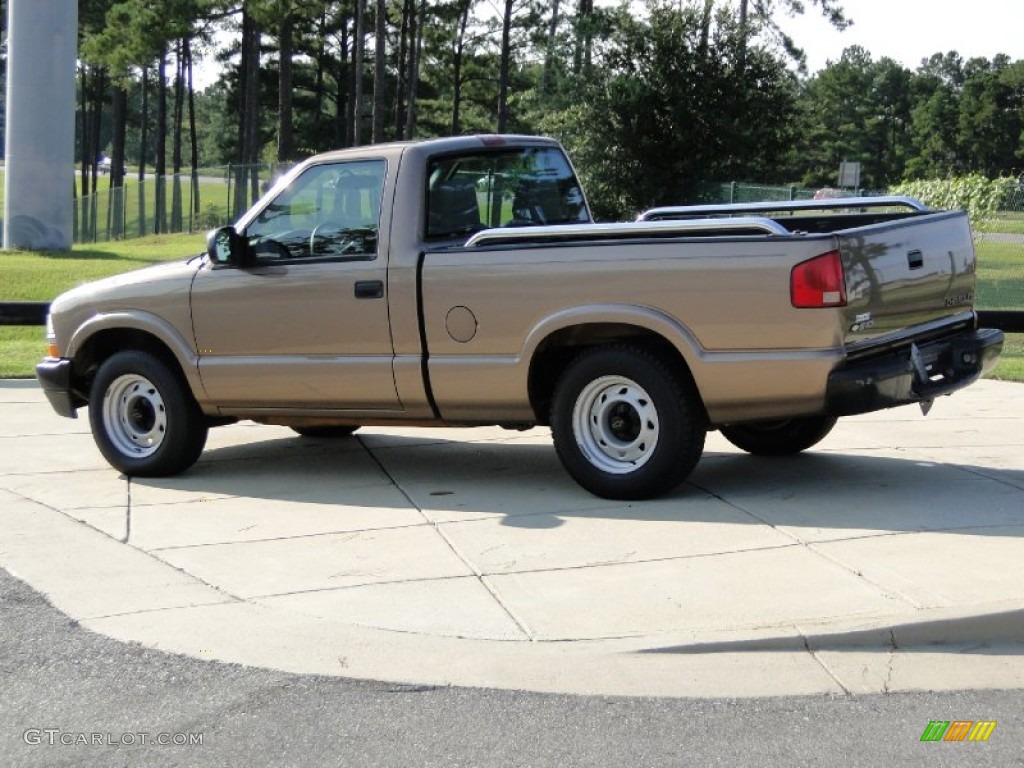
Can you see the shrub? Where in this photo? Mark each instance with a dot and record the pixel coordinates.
(979, 196)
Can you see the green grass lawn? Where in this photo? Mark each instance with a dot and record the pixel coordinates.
(1011, 364)
(140, 206)
(1009, 222)
(41, 276)
(1000, 275)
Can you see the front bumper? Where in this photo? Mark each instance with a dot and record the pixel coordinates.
(914, 374)
(54, 377)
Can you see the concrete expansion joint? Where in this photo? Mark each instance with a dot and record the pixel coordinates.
(887, 591)
(348, 534)
(128, 512)
(517, 620)
(151, 611)
(820, 662)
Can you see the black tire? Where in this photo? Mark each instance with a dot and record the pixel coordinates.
(625, 425)
(143, 417)
(779, 438)
(331, 432)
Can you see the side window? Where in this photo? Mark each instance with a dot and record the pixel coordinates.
(330, 211)
(521, 187)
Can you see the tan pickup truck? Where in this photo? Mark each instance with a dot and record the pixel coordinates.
(461, 282)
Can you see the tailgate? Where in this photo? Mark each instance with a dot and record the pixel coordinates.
(901, 275)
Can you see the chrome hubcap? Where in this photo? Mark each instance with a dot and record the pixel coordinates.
(134, 416)
(615, 424)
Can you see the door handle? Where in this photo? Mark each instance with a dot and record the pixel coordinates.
(369, 289)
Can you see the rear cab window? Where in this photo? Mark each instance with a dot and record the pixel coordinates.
(529, 186)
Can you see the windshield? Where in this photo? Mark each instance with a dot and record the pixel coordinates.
(521, 187)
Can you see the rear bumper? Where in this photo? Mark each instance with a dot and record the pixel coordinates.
(914, 374)
(54, 377)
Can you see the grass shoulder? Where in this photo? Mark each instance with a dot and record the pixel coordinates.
(43, 275)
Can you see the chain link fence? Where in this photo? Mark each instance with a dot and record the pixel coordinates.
(192, 202)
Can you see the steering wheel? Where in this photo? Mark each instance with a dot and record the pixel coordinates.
(325, 230)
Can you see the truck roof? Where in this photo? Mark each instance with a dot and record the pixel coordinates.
(444, 144)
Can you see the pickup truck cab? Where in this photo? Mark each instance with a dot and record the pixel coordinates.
(461, 281)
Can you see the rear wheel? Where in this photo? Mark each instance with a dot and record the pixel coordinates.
(779, 438)
(331, 432)
(626, 426)
(143, 418)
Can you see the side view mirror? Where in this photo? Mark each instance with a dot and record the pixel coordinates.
(226, 246)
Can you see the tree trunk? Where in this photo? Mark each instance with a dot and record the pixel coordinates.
(549, 53)
(705, 27)
(503, 72)
(584, 37)
(99, 86)
(176, 148)
(160, 165)
(143, 137)
(415, 50)
(380, 103)
(247, 176)
(457, 57)
(359, 45)
(319, 89)
(120, 105)
(193, 139)
(408, 8)
(86, 145)
(345, 94)
(285, 134)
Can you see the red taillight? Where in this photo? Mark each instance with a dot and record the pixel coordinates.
(818, 282)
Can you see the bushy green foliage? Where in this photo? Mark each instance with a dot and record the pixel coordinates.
(671, 107)
(980, 197)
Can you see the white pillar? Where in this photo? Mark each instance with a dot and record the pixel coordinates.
(42, 47)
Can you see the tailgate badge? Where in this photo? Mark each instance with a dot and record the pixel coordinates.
(862, 322)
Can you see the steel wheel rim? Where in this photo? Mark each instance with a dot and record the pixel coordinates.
(134, 416)
(615, 424)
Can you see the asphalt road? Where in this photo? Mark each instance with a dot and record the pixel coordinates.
(61, 683)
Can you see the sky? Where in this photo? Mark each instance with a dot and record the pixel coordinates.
(911, 30)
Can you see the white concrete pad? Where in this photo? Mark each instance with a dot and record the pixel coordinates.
(286, 476)
(757, 588)
(320, 562)
(250, 634)
(232, 519)
(86, 573)
(35, 418)
(468, 557)
(72, 490)
(459, 607)
(38, 453)
(866, 494)
(931, 569)
(693, 524)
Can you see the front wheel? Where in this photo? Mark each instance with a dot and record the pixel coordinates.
(779, 438)
(626, 426)
(143, 417)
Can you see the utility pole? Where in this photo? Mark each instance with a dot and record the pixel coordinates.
(40, 153)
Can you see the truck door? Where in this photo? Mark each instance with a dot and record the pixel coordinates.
(305, 324)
